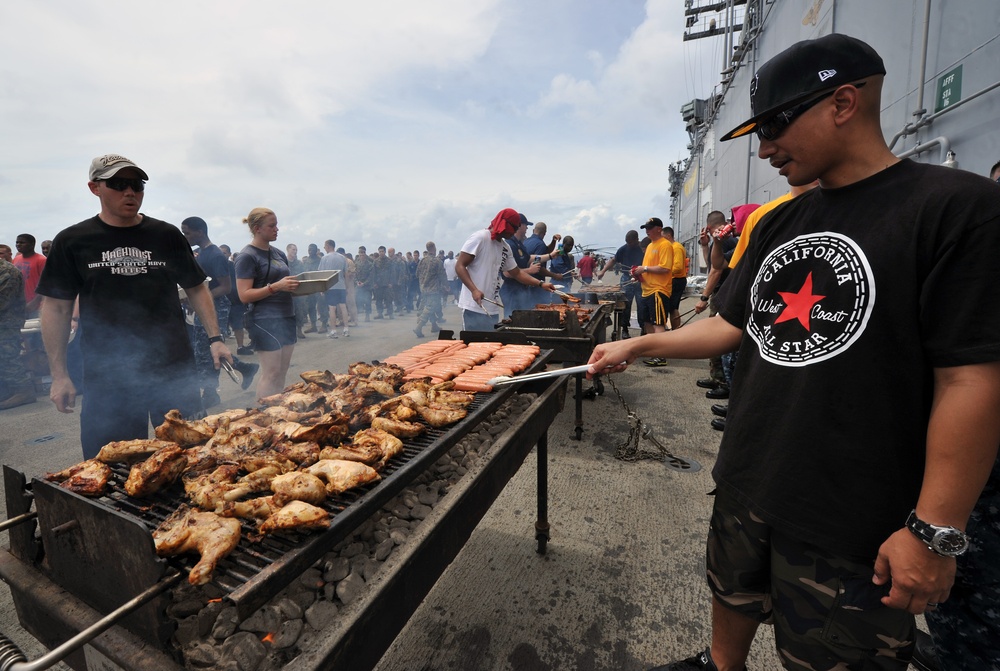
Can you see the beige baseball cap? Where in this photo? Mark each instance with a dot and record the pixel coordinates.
(104, 167)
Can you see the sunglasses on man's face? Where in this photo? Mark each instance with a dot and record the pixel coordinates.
(121, 183)
(776, 125)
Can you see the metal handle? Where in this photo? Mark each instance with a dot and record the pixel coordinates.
(20, 519)
(572, 370)
(12, 659)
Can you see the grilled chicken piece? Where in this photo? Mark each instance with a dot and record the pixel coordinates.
(439, 415)
(207, 534)
(88, 478)
(303, 454)
(360, 369)
(298, 486)
(386, 443)
(208, 490)
(281, 412)
(419, 384)
(130, 451)
(388, 372)
(454, 398)
(340, 476)
(233, 416)
(251, 483)
(157, 472)
(183, 432)
(267, 458)
(365, 454)
(324, 378)
(300, 400)
(260, 508)
(398, 428)
(330, 429)
(230, 444)
(402, 412)
(296, 515)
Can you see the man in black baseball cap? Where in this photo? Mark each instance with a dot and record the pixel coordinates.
(800, 77)
(862, 425)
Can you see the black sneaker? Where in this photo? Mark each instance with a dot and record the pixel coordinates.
(655, 361)
(247, 370)
(244, 351)
(700, 662)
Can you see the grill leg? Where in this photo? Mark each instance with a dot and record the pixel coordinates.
(579, 407)
(542, 523)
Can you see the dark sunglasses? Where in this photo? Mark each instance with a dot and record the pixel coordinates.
(776, 125)
(121, 183)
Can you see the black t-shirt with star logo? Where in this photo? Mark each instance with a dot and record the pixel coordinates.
(849, 298)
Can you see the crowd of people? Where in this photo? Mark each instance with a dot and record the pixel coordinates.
(76, 288)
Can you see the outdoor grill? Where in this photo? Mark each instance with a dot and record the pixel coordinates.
(85, 557)
(571, 342)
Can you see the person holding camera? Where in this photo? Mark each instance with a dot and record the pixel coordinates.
(266, 285)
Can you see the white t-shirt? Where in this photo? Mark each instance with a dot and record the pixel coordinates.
(492, 257)
(449, 269)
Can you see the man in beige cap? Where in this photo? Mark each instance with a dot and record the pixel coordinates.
(124, 268)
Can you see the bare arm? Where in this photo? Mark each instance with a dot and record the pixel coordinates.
(250, 295)
(201, 300)
(224, 287)
(962, 438)
(56, 315)
(522, 276)
(699, 340)
(714, 275)
(462, 270)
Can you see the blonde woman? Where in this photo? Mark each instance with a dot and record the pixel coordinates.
(265, 285)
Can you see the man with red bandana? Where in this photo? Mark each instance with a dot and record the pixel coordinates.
(484, 258)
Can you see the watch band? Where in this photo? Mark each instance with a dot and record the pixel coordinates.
(217, 338)
(945, 541)
(704, 298)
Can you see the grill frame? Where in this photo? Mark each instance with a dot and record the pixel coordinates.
(27, 558)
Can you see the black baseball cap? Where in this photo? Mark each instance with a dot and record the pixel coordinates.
(653, 221)
(804, 70)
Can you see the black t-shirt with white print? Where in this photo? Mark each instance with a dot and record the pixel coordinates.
(849, 298)
(130, 313)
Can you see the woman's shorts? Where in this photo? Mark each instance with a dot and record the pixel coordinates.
(272, 333)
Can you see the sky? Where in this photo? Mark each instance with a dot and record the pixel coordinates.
(384, 122)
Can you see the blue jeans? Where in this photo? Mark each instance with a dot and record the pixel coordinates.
(477, 321)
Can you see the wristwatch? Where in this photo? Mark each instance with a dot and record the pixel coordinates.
(217, 338)
(945, 541)
(704, 298)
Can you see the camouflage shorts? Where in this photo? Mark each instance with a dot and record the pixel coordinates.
(826, 612)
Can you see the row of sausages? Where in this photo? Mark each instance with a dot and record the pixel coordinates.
(470, 367)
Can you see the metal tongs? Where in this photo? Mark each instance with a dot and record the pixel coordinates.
(572, 370)
(233, 374)
(565, 296)
(496, 303)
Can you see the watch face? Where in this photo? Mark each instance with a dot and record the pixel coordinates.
(950, 542)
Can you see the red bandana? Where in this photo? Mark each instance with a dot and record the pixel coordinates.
(506, 221)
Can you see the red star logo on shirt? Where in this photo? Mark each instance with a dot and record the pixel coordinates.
(798, 305)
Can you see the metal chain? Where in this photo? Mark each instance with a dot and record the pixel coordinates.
(630, 450)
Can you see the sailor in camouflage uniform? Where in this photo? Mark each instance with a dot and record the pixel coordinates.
(363, 276)
(433, 284)
(15, 383)
(382, 279)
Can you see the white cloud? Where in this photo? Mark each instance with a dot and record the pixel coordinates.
(365, 122)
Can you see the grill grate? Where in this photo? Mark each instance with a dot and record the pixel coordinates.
(261, 566)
